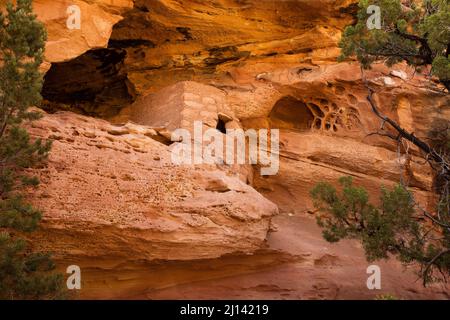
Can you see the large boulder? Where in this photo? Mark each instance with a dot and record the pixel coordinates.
(110, 194)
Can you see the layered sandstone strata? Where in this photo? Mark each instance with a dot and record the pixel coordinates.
(164, 42)
(326, 124)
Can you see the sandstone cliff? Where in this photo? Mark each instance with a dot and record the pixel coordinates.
(140, 226)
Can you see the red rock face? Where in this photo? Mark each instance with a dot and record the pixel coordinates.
(141, 227)
(122, 181)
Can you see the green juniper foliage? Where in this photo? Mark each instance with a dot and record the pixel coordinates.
(418, 33)
(391, 228)
(23, 274)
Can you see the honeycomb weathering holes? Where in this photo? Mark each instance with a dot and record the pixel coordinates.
(317, 114)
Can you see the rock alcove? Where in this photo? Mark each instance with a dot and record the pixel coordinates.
(94, 83)
(290, 113)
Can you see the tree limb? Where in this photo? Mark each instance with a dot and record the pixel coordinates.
(430, 264)
(422, 145)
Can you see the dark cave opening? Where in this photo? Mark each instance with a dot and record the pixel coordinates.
(221, 126)
(94, 83)
(291, 113)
